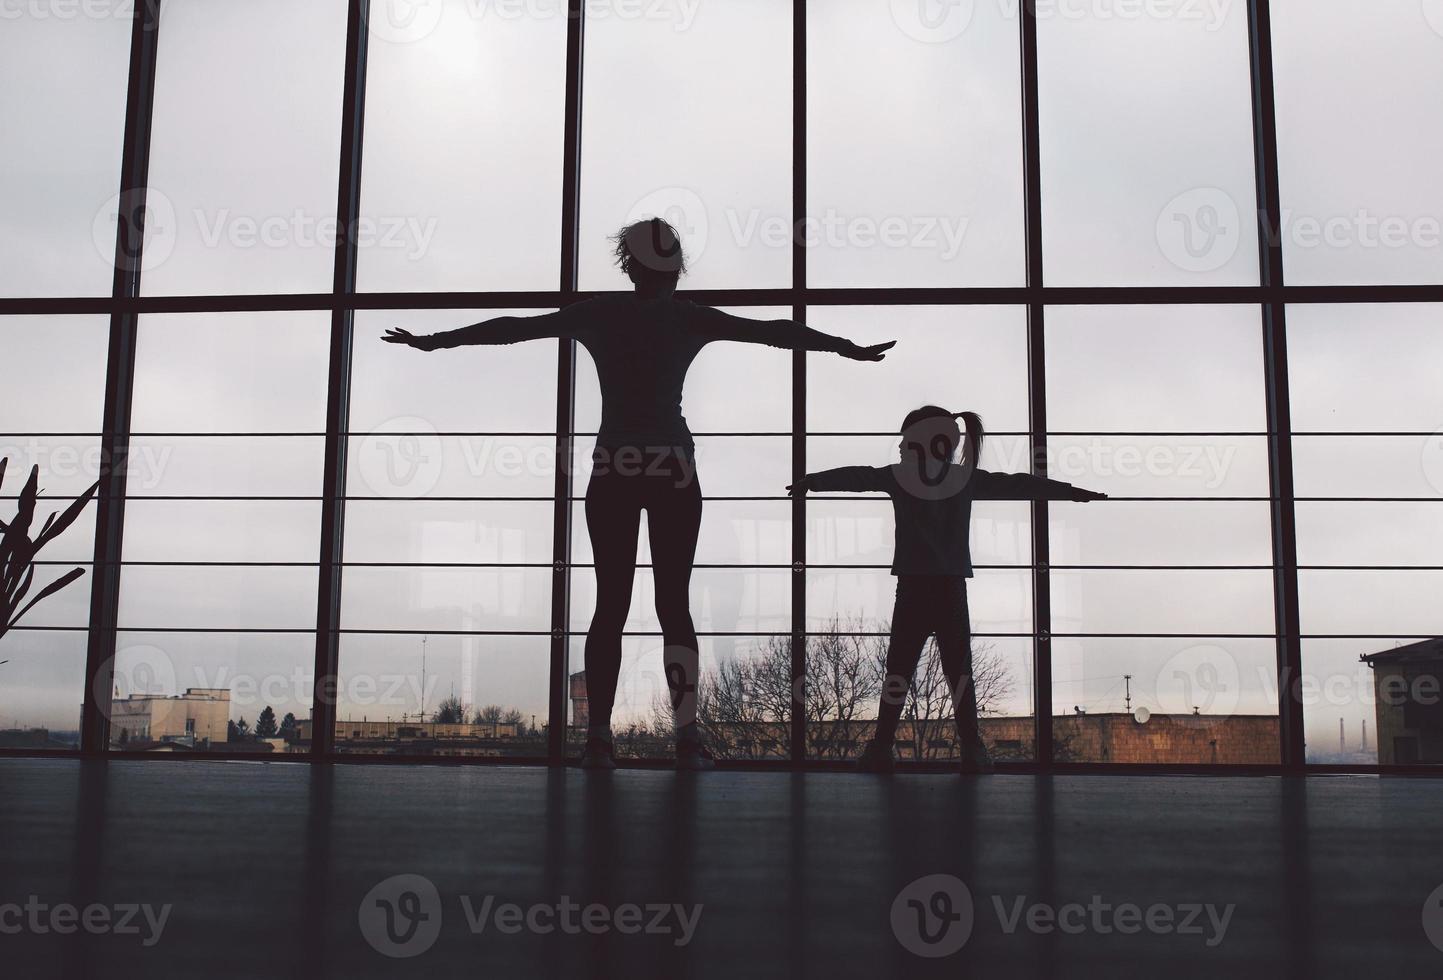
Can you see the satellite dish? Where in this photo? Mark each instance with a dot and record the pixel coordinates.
(1141, 715)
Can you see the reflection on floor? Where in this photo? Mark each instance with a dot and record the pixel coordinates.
(212, 868)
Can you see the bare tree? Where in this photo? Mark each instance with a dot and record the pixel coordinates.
(743, 704)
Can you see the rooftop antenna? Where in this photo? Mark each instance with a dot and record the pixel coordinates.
(1127, 687)
(1365, 735)
(1342, 746)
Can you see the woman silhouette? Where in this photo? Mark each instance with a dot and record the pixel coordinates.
(643, 344)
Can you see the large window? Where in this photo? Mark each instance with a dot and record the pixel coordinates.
(1084, 222)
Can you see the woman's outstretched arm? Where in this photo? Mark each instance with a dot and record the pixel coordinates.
(500, 330)
(1024, 486)
(786, 334)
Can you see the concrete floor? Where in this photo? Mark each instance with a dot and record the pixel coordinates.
(270, 871)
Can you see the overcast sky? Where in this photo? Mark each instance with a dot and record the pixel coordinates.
(914, 179)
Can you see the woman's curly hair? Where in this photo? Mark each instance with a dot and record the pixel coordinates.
(650, 248)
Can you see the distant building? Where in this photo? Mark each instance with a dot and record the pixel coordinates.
(196, 718)
(363, 737)
(30, 738)
(580, 703)
(1409, 699)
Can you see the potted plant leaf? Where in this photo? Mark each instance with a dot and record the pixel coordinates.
(18, 549)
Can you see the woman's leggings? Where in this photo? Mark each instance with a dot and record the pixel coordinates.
(930, 605)
(623, 484)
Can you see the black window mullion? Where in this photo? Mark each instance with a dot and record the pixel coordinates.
(1279, 411)
(338, 387)
(1037, 390)
(119, 381)
(798, 733)
(566, 391)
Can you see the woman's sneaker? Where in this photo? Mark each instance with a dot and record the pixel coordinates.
(598, 754)
(691, 754)
(875, 758)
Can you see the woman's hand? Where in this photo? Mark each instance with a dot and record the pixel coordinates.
(1083, 496)
(874, 353)
(398, 336)
(800, 488)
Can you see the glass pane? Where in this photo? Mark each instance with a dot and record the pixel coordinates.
(397, 388)
(1354, 119)
(972, 358)
(442, 695)
(397, 460)
(743, 704)
(44, 686)
(678, 125)
(447, 599)
(232, 372)
(1370, 712)
(1151, 601)
(723, 600)
(891, 92)
(1147, 174)
(53, 377)
(443, 531)
(1155, 369)
(212, 692)
(1370, 603)
(63, 114)
(1185, 701)
(464, 121)
(1365, 367)
(860, 531)
(855, 601)
(733, 532)
(227, 597)
(1122, 532)
(239, 87)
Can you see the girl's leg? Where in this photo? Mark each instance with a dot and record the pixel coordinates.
(673, 519)
(954, 643)
(613, 516)
(912, 619)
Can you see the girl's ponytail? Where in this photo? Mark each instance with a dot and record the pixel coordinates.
(972, 440)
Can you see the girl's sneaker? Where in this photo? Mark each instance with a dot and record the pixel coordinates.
(875, 758)
(598, 754)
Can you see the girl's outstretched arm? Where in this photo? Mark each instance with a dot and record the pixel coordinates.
(786, 334)
(845, 479)
(1024, 486)
(500, 330)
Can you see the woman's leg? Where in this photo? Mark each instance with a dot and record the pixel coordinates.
(954, 643)
(912, 619)
(673, 520)
(613, 516)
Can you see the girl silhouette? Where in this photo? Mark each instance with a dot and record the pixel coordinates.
(932, 498)
(643, 344)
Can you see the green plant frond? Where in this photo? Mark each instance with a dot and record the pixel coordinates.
(49, 590)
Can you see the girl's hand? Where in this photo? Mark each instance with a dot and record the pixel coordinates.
(1083, 496)
(874, 353)
(398, 336)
